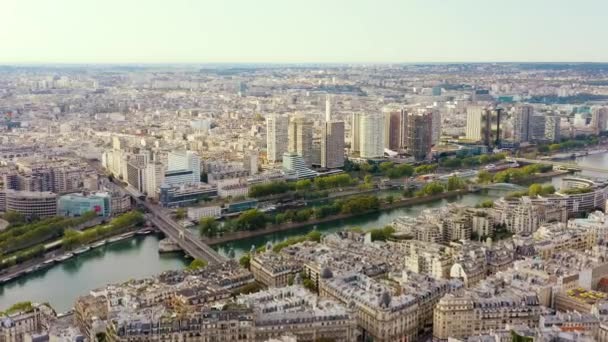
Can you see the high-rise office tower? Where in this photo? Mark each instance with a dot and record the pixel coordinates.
(250, 161)
(436, 125)
(521, 124)
(185, 161)
(300, 139)
(328, 108)
(475, 116)
(483, 125)
(355, 133)
(332, 140)
(599, 117)
(371, 136)
(552, 128)
(154, 177)
(395, 125)
(332, 146)
(276, 137)
(420, 134)
(537, 127)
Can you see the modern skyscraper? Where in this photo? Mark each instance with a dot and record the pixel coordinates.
(154, 177)
(475, 116)
(599, 118)
(371, 141)
(355, 133)
(521, 124)
(483, 125)
(300, 139)
(395, 125)
(276, 137)
(419, 134)
(332, 140)
(328, 108)
(552, 128)
(332, 145)
(537, 127)
(436, 125)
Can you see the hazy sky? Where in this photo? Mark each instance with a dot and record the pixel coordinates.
(152, 31)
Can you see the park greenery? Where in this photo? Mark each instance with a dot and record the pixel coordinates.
(382, 234)
(254, 219)
(456, 183)
(570, 144)
(390, 170)
(512, 175)
(313, 235)
(18, 307)
(533, 190)
(425, 169)
(272, 188)
(73, 238)
(430, 189)
(245, 261)
(196, 265)
(54, 228)
(22, 236)
(520, 174)
(13, 217)
(470, 161)
(485, 204)
(180, 213)
(304, 186)
(208, 226)
(575, 191)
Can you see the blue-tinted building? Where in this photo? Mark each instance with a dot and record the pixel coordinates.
(185, 195)
(73, 205)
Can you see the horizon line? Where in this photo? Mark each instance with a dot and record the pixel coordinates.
(7, 64)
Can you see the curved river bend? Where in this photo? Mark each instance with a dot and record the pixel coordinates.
(138, 257)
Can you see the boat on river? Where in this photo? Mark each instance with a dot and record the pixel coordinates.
(82, 250)
(121, 237)
(64, 257)
(98, 244)
(144, 232)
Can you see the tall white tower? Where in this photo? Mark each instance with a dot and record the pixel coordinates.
(371, 136)
(474, 117)
(327, 108)
(276, 137)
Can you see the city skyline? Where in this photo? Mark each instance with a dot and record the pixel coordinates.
(236, 31)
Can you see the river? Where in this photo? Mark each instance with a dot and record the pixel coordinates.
(138, 257)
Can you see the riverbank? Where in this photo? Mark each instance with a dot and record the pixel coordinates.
(56, 256)
(241, 235)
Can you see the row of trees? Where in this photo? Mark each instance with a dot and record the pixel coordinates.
(470, 161)
(390, 170)
(429, 189)
(254, 219)
(534, 190)
(570, 144)
(70, 237)
(513, 175)
(272, 188)
(21, 256)
(304, 185)
(23, 236)
(73, 238)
